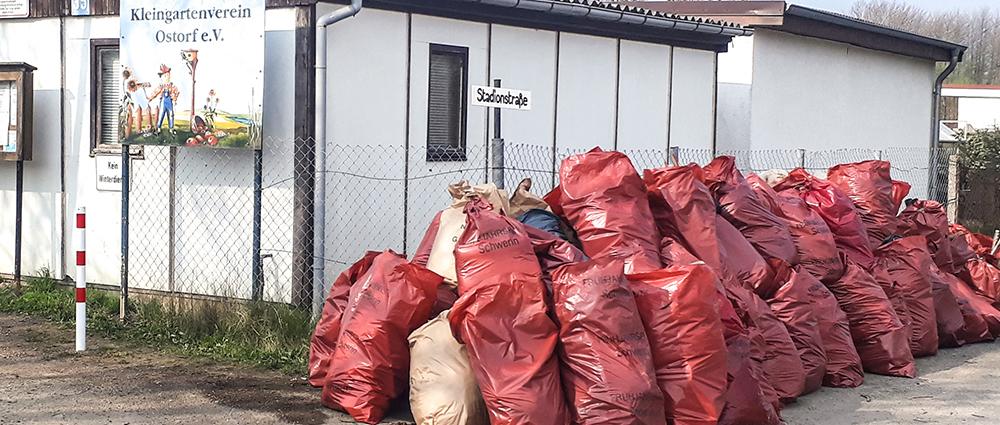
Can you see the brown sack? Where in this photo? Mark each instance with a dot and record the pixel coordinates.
(443, 388)
(523, 200)
(451, 224)
(908, 264)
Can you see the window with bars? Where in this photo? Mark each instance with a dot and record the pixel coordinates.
(448, 88)
(106, 96)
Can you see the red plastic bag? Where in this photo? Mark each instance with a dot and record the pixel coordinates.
(683, 209)
(604, 199)
(324, 338)
(680, 314)
(880, 338)
(607, 366)
(843, 367)
(748, 399)
(371, 363)
(679, 307)
(929, 219)
(739, 205)
(869, 184)
(899, 191)
(491, 246)
(502, 319)
(552, 252)
(743, 261)
(908, 265)
(793, 305)
(837, 209)
(974, 306)
(980, 243)
(423, 253)
(984, 277)
(782, 366)
(817, 249)
(953, 330)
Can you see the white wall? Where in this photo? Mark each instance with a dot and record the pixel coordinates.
(692, 103)
(42, 213)
(815, 94)
(980, 112)
(588, 67)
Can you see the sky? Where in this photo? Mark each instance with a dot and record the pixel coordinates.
(844, 6)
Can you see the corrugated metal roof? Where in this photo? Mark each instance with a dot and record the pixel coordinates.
(650, 12)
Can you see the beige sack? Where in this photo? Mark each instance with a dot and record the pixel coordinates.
(442, 257)
(443, 389)
(523, 200)
(773, 176)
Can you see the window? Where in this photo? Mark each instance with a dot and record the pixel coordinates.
(106, 93)
(446, 102)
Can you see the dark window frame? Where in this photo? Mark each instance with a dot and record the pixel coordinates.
(97, 45)
(437, 153)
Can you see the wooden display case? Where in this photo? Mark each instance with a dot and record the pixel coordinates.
(16, 99)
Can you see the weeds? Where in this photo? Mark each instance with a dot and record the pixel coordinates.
(271, 336)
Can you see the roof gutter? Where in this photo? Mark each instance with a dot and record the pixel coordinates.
(616, 15)
(956, 54)
(319, 209)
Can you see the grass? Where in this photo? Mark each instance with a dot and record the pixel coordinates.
(263, 335)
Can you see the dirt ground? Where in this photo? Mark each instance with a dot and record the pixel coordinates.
(43, 382)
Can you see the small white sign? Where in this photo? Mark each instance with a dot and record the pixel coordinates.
(109, 173)
(14, 8)
(80, 8)
(498, 97)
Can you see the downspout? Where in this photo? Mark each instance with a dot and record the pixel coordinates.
(319, 210)
(936, 122)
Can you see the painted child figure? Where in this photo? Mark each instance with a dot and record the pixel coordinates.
(168, 94)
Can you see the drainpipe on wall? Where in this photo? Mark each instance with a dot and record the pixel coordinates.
(319, 211)
(936, 122)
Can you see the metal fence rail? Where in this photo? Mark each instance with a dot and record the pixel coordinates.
(196, 216)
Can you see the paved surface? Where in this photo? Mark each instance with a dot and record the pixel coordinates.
(957, 386)
(43, 382)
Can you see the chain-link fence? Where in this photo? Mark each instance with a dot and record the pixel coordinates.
(236, 224)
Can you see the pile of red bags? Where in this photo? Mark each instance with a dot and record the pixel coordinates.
(692, 296)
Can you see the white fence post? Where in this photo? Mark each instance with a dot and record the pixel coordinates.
(80, 235)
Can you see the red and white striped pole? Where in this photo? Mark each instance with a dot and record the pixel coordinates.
(80, 235)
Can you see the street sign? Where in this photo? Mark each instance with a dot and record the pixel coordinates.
(498, 97)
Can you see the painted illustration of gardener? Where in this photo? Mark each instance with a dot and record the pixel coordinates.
(168, 94)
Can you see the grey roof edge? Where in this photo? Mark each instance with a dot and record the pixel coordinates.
(862, 25)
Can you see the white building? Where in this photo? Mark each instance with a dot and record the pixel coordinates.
(818, 80)
(602, 75)
(975, 106)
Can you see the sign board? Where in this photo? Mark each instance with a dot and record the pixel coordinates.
(79, 7)
(14, 8)
(192, 72)
(496, 97)
(16, 107)
(109, 173)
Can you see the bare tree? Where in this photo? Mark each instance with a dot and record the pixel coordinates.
(978, 29)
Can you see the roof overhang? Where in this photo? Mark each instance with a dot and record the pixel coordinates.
(809, 22)
(578, 16)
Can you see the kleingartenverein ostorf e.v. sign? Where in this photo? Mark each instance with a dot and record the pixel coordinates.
(192, 72)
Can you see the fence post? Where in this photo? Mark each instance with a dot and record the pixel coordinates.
(80, 235)
(953, 184)
(18, 212)
(123, 299)
(498, 161)
(257, 284)
(674, 156)
(802, 158)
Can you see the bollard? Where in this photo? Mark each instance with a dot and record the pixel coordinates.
(80, 235)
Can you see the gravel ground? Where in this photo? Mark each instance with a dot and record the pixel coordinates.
(43, 382)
